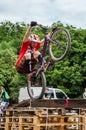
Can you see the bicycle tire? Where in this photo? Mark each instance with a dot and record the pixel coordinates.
(34, 91)
(62, 37)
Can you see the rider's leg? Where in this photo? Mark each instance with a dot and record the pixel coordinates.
(38, 56)
(28, 65)
(40, 59)
(28, 62)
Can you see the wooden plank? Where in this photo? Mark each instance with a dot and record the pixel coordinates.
(72, 103)
(53, 103)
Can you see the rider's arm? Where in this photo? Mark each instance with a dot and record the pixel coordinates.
(25, 39)
(33, 23)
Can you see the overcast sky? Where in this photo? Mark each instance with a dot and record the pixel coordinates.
(71, 12)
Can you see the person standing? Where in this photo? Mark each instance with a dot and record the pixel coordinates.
(4, 99)
(84, 94)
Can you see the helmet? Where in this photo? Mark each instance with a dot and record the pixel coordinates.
(34, 38)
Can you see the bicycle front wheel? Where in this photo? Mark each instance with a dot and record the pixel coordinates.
(60, 44)
(36, 86)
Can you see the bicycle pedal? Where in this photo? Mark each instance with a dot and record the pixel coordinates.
(33, 79)
(31, 75)
(51, 67)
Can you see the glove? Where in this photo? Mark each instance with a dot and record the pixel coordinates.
(53, 29)
(33, 23)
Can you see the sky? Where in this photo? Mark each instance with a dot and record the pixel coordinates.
(46, 12)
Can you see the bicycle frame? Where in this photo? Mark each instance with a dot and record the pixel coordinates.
(41, 65)
(46, 40)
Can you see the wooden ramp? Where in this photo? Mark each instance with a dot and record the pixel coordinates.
(70, 103)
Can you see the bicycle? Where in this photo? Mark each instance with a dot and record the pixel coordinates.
(59, 39)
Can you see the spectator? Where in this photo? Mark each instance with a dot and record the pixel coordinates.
(4, 99)
(84, 94)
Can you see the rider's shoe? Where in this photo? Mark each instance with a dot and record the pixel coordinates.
(31, 75)
(32, 78)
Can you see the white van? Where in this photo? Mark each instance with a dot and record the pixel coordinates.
(50, 93)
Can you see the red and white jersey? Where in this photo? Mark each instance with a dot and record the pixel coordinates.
(25, 46)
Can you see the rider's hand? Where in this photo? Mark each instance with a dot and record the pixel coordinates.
(53, 29)
(33, 23)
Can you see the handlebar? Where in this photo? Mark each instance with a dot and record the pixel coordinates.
(46, 28)
(42, 26)
(33, 23)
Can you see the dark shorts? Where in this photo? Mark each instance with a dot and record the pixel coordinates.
(21, 67)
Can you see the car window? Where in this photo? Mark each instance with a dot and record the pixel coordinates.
(49, 94)
(60, 94)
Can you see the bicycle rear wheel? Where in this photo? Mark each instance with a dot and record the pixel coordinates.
(36, 86)
(59, 49)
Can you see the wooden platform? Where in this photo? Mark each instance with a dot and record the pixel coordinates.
(45, 115)
(32, 118)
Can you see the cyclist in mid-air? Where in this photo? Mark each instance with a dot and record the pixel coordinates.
(29, 53)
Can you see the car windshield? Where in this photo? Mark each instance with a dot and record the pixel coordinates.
(59, 94)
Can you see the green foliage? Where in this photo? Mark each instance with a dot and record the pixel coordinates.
(68, 75)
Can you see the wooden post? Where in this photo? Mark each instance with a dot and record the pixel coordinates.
(61, 123)
(7, 127)
(36, 123)
(20, 123)
(82, 119)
